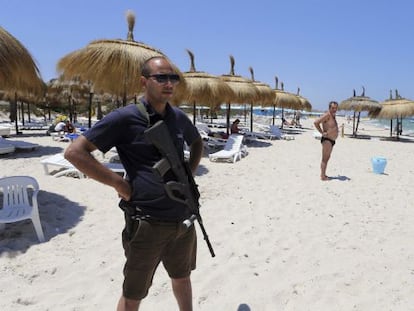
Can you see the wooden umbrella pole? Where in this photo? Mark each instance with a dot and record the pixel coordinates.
(357, 124)
(90, 109)
(228, 119)
(353, 125)
(251, 117)
(22, 112)
(15, 111)
(194, 112)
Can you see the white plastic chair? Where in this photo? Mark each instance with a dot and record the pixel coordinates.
(19, 203)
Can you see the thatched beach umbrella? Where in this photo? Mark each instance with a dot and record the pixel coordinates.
(283, 99)
(243, 89)
(305, 104)
(265, 95)
(70, 92)
(112, 66)
(18, 70)
(14, 98)
(19, 73)
(203, 88)
(397, 108)
(358, 104)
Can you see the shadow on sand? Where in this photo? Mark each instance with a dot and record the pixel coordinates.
(339, 177)
(57, 214)
(243, 307)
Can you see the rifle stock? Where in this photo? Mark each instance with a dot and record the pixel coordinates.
(159, 136)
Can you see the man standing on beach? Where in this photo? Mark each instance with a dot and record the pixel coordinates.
(329, 131)
(154, 233)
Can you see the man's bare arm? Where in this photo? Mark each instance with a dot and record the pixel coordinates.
(196, 152)
(79, 154)
(319, 121)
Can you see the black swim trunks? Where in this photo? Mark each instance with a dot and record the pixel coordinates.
(328, 139)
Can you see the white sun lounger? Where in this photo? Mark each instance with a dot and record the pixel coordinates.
(317, 135)
(67, 168)
(233, 150)
(274, 130)
(63, 165)
(4, 130)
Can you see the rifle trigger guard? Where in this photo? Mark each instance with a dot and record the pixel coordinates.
(172, 187)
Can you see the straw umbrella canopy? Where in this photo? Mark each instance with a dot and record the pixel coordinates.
(14, 98)
(283, 99)
(113, 66)
(305, 104)
(202, 88)
(265, 95)
(19, 74)
(397, 107)
(72, 92)
(18, 70)
(243, 89)
(358, 104)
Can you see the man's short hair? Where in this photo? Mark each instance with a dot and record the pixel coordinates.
(332, 103)
(145, 68)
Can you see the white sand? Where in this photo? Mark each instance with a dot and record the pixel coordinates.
(284, 240)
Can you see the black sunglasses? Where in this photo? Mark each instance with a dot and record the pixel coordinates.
(164, 78)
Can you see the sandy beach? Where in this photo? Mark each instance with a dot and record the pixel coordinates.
(284, 240)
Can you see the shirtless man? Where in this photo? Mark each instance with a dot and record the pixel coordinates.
(329, 131)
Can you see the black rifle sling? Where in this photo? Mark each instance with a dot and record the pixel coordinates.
(143, 110)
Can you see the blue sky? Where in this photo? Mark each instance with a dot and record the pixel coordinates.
(325, 47)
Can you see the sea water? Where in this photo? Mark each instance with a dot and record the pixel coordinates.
(407, 124)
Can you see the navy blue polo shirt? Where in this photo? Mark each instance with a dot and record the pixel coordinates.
(124, 129)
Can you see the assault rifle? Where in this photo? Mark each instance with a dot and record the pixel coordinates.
(185, 186)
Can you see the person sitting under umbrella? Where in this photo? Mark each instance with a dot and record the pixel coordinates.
(235, 127)
(66, 127)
